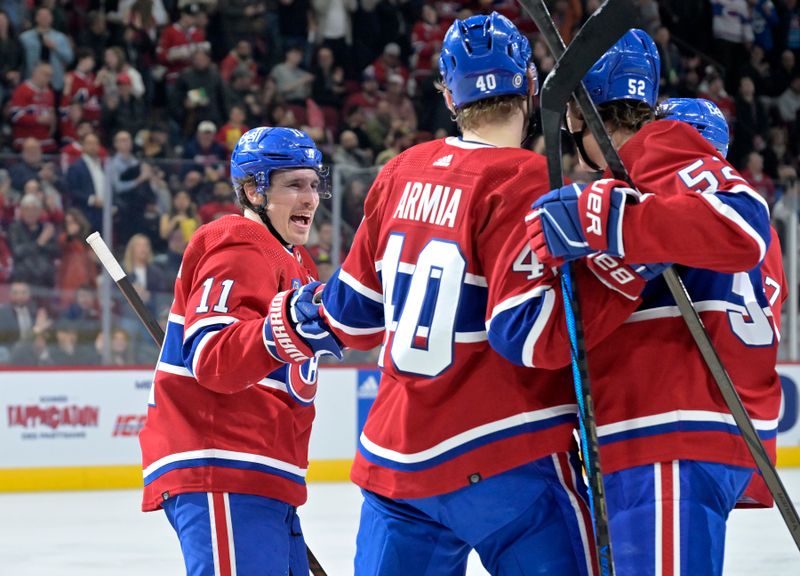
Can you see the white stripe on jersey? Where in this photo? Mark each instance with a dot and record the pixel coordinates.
(360, 288)
(731, 214)
(224, 455)
(207, 321)
(176, 318)
(172, 369)
(680, 416)
(468, 435)
(701, 306)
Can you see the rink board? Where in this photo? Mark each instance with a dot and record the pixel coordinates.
(77, 429)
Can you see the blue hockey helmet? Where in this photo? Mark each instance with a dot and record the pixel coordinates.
(703, 114)
(261, 150)
(630, 70)
(483, 57)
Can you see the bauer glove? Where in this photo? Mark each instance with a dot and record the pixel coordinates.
(574, 221)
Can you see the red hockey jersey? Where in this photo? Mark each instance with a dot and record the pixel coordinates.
(82, 89)
(176, 46)
(655, 400)
(441, 250)
(224, 415)
(28, 104)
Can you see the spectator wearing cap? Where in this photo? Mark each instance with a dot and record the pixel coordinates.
(82, 87)
(33, 110)
(179, 41)
(123, 110)
(205, 154)
(198, 95)
(389, 63)
(44, 44)
(33, 244)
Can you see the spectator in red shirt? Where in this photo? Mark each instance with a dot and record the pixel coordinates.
(758, 179)
(179, 41)
(426, 37)
(220, 205)
(33, 110)
(229, 133)
(77, 266)
(240, 57)
(389, 63)
(82, 87)
(715, 91)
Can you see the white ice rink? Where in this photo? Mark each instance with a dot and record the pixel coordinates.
(104, 534)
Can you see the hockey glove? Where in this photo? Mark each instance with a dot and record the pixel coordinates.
(294, 330)
(627, 279)
(575, 220)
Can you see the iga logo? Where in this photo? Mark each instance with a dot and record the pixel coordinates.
(128, 424)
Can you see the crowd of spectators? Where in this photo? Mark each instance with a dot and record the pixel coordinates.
(139, 103)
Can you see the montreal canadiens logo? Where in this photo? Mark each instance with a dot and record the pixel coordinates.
(517, 80)
(303, 381)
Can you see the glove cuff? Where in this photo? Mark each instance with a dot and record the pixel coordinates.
(617, 275)
(280, 338)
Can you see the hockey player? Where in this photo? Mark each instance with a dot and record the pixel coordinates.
(703, 115)
(674, 461)
(225, 443)
(462, 449)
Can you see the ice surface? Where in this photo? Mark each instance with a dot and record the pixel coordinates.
(102, 533)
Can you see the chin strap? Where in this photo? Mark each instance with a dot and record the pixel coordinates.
(529, 129)
(262, 213)
(577, 137)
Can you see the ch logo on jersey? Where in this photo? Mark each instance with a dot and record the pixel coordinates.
(302, 381)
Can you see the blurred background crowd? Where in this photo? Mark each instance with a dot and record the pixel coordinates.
(136, 104)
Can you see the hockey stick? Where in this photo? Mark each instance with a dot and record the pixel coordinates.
(117, 274)
(575, 64)
(551, 128)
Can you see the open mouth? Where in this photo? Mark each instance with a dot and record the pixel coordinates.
(301, 219)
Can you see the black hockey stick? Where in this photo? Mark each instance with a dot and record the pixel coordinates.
(551, 127)
(577, 64)
(117, 274)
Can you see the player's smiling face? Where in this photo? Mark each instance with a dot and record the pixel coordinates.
(293, 200)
